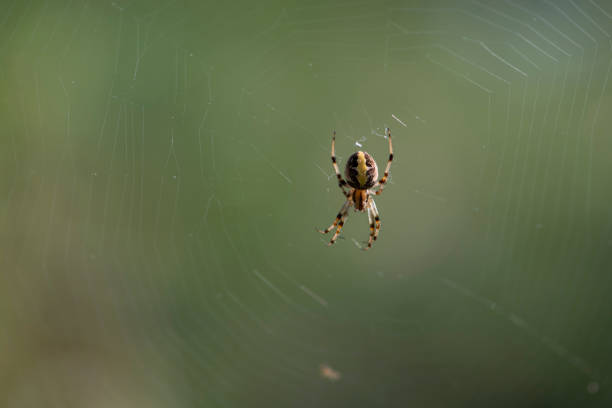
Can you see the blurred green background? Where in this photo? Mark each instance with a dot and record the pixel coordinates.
(164, 165)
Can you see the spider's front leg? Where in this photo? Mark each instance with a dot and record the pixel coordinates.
(381, 183)
(341, 182)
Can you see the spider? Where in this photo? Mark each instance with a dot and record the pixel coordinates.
(361, 173)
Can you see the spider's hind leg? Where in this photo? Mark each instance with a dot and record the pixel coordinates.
(376, 217)
(340, 224)
(372, 230)
(343, 211)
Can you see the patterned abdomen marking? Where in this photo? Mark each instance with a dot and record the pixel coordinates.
(361, 171)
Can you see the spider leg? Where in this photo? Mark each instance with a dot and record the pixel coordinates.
(342, 212)
(383, 180)
(370, 219)
(340, 224)
(341, 182)
(376, 217)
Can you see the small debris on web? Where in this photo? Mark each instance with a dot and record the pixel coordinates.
(396, 118)
(357, 244)
(329, 373)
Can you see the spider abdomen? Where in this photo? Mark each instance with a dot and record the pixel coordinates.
(361, 171)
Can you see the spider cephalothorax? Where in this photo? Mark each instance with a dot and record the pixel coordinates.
(361, 174)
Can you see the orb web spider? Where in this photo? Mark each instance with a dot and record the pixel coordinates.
(361, 173)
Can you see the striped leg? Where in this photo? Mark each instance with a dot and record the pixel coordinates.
(341, 182)
(340, 224)
(370, 218)
(376, 217)
(383, 180)
(342, 212)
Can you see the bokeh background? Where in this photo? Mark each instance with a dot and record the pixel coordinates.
(163, 166)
